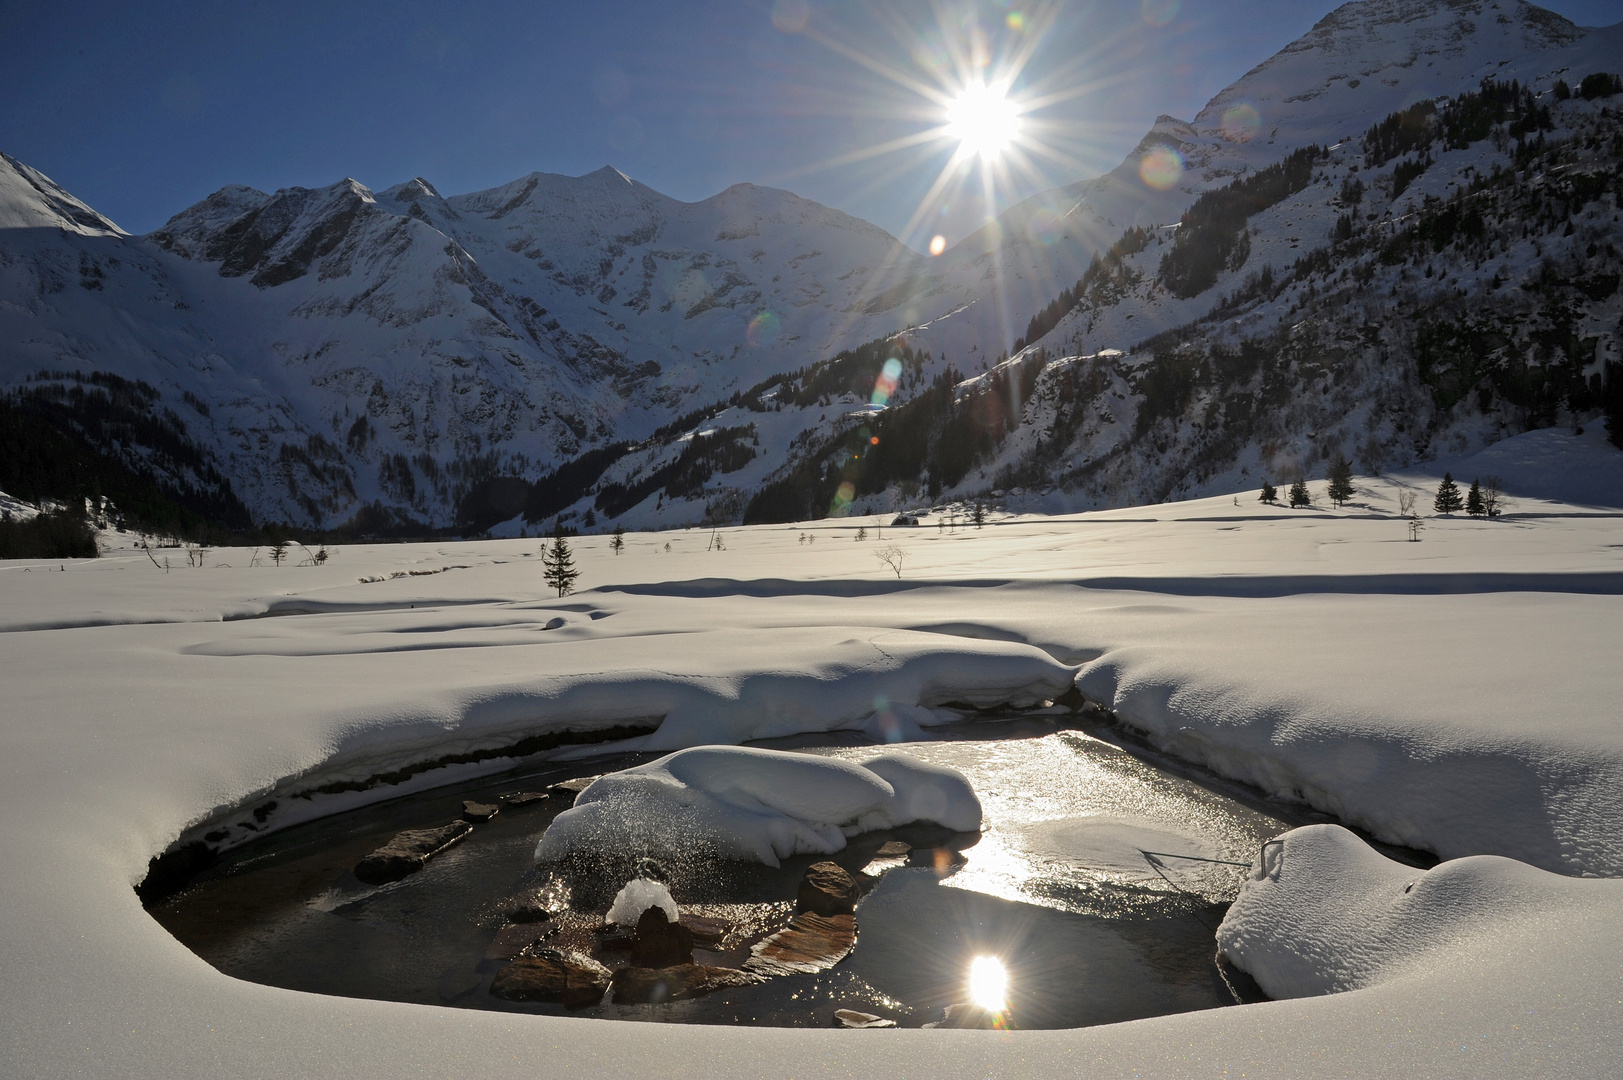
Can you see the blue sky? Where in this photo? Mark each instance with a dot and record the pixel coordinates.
(142, 109)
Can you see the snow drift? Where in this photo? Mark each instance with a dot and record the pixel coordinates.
(756, 805)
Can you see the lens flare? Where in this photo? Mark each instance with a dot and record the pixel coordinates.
(885, 385)
(988, 983)
(1240, 122)
(1015, 21)
(938, 244)
(842, 499)
(1160, 12)
(764, 328)
(983, 120)
(1160, 168)
(1045, 227)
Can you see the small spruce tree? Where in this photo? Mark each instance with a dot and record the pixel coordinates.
(558, 565)
(862, 532)
(278, 551)
(1473, 500)
(1340, 477)
(1270, 494)
(978, 515)
(617, 543)
(1300, 495)
(1448, 500)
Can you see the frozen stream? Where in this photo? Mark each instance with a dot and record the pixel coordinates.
(1058, 887)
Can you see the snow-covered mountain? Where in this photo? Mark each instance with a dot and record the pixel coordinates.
(589, 346)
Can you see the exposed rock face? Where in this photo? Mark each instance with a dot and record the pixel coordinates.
(811, 943)
(660, 943)
(645, 986)
(563, 793)
(550, 978)
(827, 889)
(408, 851)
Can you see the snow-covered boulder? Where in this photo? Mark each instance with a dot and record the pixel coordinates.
(755, 805)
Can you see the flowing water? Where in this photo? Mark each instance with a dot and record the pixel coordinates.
(1098, 881)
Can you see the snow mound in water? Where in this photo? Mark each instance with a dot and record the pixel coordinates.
(638, 896)
(755, 805)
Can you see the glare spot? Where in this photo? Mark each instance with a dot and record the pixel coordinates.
(1015, 21)
(938, 244)
(1160, 12)
(1160, 168)
(983, 120)
(988, 983)
(791, 16)
(1240, 122)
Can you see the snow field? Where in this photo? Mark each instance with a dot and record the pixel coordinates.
(1459, 693)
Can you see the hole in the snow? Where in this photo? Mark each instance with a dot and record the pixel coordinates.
(1090, 897)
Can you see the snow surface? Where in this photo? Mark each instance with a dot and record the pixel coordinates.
(1460, 693)
(756, 805)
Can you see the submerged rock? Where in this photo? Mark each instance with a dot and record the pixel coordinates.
(660, 943)
(809, 944)
(512, 939)
(851, 1018)
(827, 889)
(408, 851)
(551, 978)
(650, 986)
(564, 792)
(518, 800)
(478, 811)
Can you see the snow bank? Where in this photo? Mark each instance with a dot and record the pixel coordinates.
(1324, 913)
(756, 805)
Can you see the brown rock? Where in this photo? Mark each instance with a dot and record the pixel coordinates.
(893, 849)
(660, 943)
(708, 933)
(649, 986)
(408, 851)
(550, 978)
(827, 890)
(479, 811)
(942, 860)
(809, 944)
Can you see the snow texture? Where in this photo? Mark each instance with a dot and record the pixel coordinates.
(755, 805)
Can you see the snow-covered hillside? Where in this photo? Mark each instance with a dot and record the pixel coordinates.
(401, 358)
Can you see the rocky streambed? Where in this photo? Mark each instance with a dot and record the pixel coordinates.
(1095, 887)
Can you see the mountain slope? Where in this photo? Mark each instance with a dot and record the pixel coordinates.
(587, 346)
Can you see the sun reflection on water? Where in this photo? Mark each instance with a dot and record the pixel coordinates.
(989, 983)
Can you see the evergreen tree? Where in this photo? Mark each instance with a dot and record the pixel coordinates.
(618, 543)
(1473, 500)
(978, 515)
(1340, 476)
(1448, 499)
(1300, 495)
(278, 551)
(558, 565)
(1270, 494)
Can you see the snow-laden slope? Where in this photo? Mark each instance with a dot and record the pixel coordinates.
(1459, 692)
(345, 355)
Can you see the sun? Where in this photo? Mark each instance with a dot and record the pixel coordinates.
(983, 120)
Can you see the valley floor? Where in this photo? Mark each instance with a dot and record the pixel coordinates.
(1460, 693)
